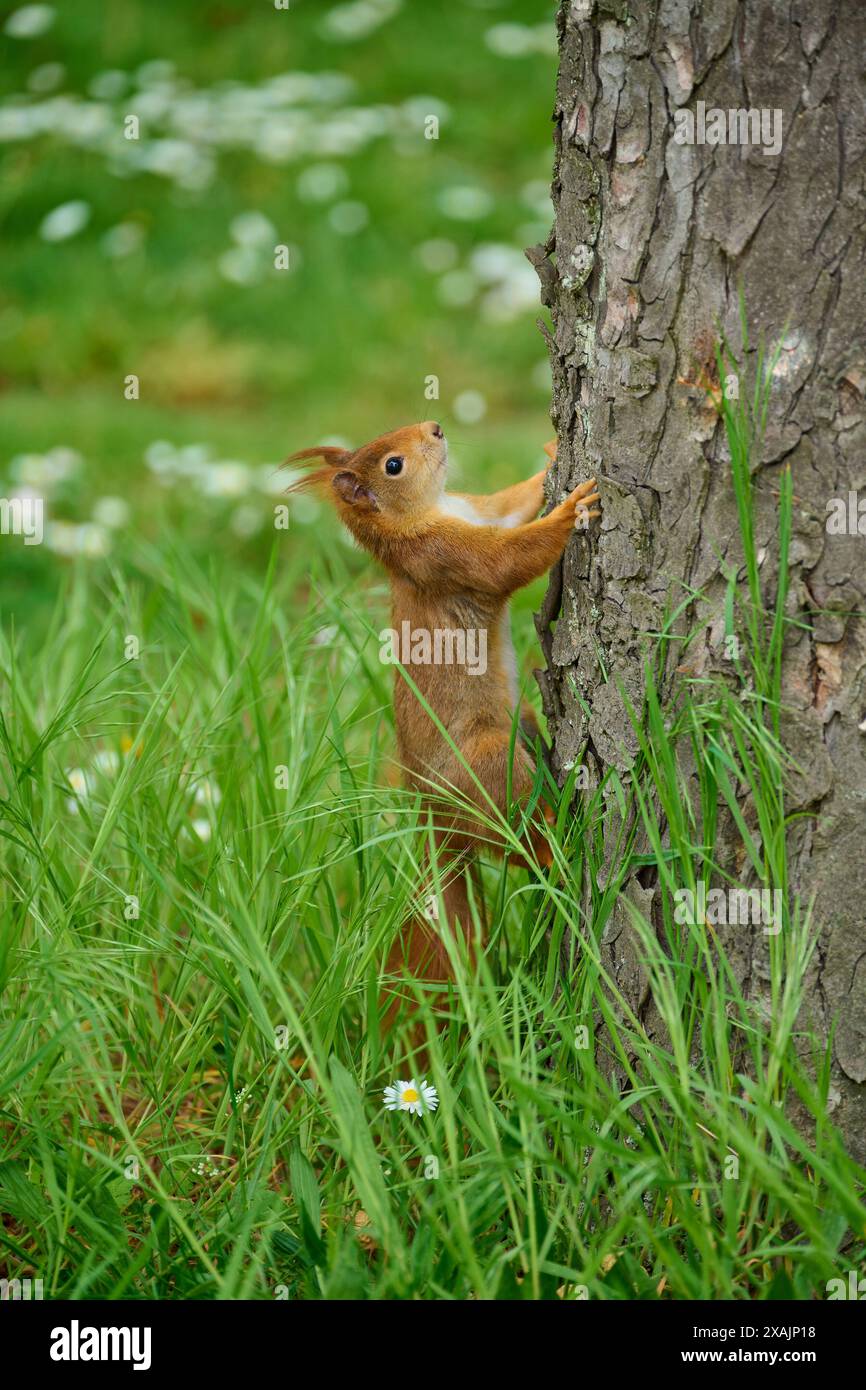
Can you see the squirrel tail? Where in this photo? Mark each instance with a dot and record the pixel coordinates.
(419, 950)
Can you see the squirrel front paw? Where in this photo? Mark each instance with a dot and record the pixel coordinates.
(582, 499)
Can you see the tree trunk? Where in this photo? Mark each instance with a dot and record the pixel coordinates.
(653, 239)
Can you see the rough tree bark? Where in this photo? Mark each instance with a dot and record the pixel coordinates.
(652, 239)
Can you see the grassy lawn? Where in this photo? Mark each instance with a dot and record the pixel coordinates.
(205, 850)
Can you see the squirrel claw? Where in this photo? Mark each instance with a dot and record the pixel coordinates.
(580, 492)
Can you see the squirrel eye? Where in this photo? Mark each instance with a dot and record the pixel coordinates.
(393, 466)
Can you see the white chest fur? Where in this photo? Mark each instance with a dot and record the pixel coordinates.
(450, 504)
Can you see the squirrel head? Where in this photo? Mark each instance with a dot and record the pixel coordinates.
(400, 474)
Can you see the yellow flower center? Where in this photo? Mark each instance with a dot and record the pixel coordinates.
(409, 1095)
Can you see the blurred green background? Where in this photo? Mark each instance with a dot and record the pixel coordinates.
(305, 128)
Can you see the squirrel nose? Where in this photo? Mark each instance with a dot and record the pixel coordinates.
(435, 429)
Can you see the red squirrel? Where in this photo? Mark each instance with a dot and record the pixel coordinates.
(454, 561)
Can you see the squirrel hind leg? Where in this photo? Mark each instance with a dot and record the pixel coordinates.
(419, 950)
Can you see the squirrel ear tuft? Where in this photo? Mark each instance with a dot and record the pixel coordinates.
(349, 487)
(318, 477)
(327, 452)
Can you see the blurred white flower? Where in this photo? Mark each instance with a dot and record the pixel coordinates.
(65, 221)
(517, 40)
(495, 261)
(278, 143)
(183, 128)
(513, 295)
(60, 537)
(202, 828)
(241, 265)
(189, 165)
(46, 77)
(306, 509)
(207, 792)
(92, 540)
(45, 471)
(436, 255)
(29, 22)
(510, 40)
(457, 288)
(225, 479)
(464, 202)
(253, 229)
(69, 538)
(470, 407)
(108, 85)
(273, 480)
(157, 70)
(122, 239)
(192, 461)
(322, 182)
(290, 87)
(161, 457)
(540, 375)
(111, 512)
(536, 195)
(339, 135)
(77, 780)
(355, 21)
(107, 761)
(246, 520)
(348, 218)
(418, 108)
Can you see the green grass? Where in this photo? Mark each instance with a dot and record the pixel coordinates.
(161, 954)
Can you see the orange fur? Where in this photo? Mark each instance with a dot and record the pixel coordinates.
(453, 561)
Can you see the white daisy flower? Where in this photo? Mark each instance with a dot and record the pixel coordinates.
(405, 1095)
